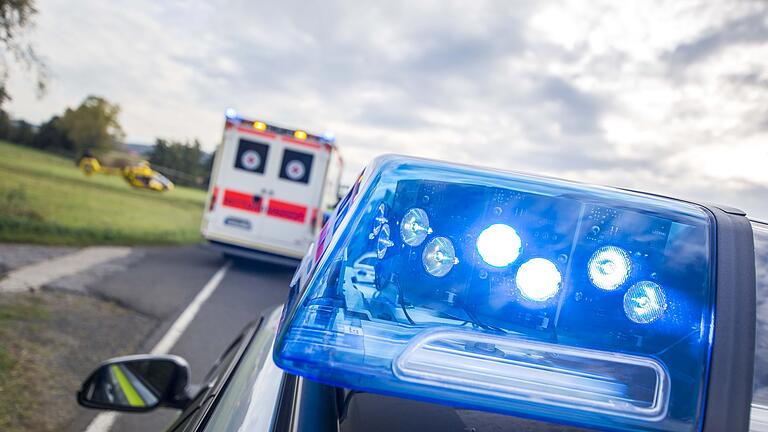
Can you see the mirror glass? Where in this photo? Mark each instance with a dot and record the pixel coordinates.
(139, 384)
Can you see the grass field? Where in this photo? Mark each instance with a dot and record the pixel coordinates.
(49, 342)
(45, 199)
(15, 364)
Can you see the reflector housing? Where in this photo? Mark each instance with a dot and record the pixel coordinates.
(468, 335)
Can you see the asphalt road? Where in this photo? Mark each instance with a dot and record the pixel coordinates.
(164, 282)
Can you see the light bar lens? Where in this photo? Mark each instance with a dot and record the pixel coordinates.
(379, 220)
(439, 257)
(609, 267)
(383, 242)
(538, 280)
(520, 369)
(499, 245)
(504, 292)
(644, 302)
(415, 227)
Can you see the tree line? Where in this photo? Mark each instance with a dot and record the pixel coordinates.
(183, 162)
(94, 128)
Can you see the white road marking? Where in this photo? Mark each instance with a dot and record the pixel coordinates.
(105, 420)
(102, 422)
(34, 276)
(165, 344)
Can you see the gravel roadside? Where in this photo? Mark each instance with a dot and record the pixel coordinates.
(51, 338)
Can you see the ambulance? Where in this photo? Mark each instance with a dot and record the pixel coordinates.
(270, 189)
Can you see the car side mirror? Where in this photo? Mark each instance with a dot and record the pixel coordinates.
(137, 383)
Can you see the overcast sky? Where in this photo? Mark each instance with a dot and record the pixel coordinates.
(668, 97)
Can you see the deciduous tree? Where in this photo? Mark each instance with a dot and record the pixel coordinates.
(183, 162)
(50, 137)
(93, 125)
(16, 18)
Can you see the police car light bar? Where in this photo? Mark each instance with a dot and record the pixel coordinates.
(528, 296)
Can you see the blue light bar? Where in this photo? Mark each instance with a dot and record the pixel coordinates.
(510, 293)
(230, 113)
(329, 136)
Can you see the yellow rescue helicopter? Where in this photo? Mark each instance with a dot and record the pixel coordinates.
(139, 174)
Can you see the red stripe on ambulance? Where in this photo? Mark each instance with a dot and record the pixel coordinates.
(286, 210)
(242, 201)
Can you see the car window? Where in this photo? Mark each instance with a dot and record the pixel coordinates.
(368, 412)
(222, 362)
(217, 370)
(759, 414)
(185, 421)
(162, 179)
(248, 400)
(760, 388)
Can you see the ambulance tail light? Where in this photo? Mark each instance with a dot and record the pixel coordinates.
(214, 197)
(517, 294)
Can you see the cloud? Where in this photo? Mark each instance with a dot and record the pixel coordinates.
(751, 29)
(662, 96)
(579, 112)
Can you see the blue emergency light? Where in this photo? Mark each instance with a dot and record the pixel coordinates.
(511, 293)
(230, 113)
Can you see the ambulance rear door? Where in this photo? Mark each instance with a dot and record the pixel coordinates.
(296, 175)
(243, 175)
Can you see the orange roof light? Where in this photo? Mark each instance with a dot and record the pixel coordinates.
(300, 134)
(260, 125)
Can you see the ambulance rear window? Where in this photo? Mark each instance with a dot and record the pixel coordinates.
(251, 156)
(296, 166)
